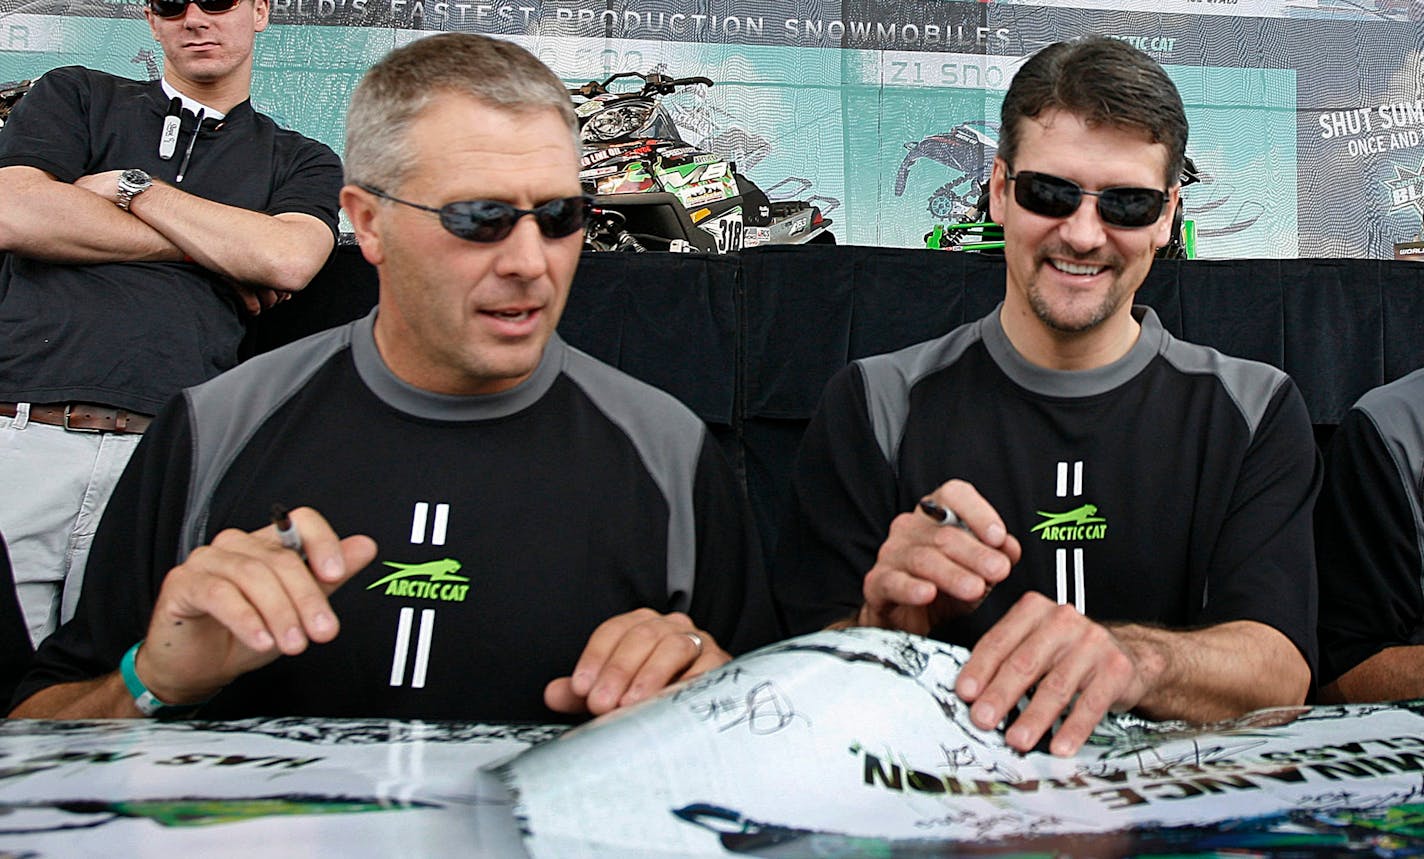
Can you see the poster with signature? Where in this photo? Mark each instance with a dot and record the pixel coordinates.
(853, 743)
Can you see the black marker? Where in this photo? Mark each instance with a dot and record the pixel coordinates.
(188, 154)
(287, 533)
(941, 515)
(172, 121)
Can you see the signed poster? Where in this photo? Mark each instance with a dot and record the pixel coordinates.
(853, 743)
(844, 743)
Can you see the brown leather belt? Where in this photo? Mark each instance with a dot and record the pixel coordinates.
(82, 417)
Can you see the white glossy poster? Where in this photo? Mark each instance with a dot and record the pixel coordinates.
(270, 788)
(853, 743)
(834, 744)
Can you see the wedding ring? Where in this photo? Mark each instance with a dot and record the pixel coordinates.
(696, 642)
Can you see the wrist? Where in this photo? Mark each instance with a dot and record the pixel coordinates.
(158, 699)
(131, 184)
(1151, 659)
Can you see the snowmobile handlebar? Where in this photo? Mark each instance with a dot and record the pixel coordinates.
(653, 84)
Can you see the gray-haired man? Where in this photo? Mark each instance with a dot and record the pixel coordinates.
(539, 515)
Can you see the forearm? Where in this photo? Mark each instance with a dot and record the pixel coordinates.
(281, 252)
(102, 698)
(1215, 673)
(1393, 674)
(50, 220)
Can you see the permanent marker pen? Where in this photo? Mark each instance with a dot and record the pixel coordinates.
(188, 153)
(941, 515)
(287, 533)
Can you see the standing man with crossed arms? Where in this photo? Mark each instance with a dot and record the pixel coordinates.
(1136, 509)
(142, 220)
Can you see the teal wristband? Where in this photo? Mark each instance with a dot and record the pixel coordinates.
(148, 703)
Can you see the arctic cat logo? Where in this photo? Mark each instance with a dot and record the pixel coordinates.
(433, 580)
(1081, 523)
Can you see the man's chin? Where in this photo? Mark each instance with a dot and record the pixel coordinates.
(1073, 317)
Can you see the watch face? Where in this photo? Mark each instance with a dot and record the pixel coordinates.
(136, 177)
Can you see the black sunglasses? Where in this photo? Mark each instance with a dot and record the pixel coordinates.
(1056, 197)
(175, 8)
(493, 220)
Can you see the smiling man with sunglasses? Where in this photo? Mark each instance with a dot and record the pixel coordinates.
(1131, 512)
(143, 220)
(555, 538)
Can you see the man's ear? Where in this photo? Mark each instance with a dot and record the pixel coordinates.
(262, 15)
(1164, 223)
(998, 191)
(364, 210)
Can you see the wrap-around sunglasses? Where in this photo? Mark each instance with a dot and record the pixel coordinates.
(493, 220)
(175, 8)
(1056, 197)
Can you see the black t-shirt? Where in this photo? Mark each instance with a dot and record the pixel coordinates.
(1172, 487)
(133, 334)
(509, 527)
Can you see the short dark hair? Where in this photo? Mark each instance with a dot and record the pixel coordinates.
(1103, 81)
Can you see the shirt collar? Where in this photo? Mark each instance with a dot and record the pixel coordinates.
(191, 105)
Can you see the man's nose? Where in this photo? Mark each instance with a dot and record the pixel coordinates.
(522, 252)
(1083, 229)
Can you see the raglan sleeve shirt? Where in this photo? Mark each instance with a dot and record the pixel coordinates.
(1369, 541)
(842, 499)
(137, 542)
(1261, 562)
(730, 598)
(1249, 557)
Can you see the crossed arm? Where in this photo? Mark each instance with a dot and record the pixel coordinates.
(263, 255)
(1066, 662)
(244, 601)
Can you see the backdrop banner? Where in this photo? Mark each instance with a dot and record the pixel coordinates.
(1307, 116)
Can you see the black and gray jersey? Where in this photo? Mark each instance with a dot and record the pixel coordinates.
(1173, 486)
(1369, 528)
(509, 526)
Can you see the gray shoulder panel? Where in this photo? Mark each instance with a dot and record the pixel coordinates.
(1250, 384)
(889, 378)
(226, 411)
(668, 438)
(1397, 411)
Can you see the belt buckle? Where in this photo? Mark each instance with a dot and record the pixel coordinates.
(67, 407)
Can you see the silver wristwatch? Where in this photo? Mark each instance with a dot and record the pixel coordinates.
(131, 184)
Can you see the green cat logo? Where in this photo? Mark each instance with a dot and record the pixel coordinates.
(1081, 523)
(432, 580)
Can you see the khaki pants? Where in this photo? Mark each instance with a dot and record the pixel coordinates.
(54, 485)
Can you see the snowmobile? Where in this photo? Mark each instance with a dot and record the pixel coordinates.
(10, 94)
(652, 190)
